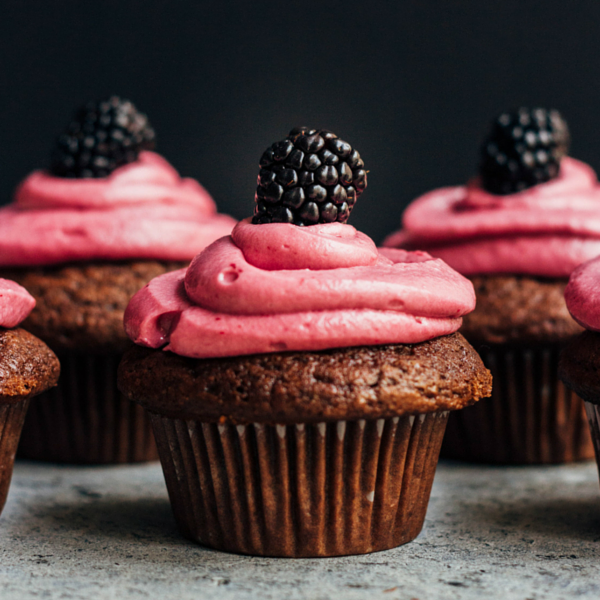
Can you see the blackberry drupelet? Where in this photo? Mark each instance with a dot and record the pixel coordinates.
(524, 148)
(101, 137)
(310, 177)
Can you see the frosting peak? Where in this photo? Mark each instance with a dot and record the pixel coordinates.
(574, 177)
(148, 180)
(15, 303)
(284, 246)
(226, 305)
(143, 210)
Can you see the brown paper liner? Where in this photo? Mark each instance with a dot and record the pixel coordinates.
(327, 489)
(11, 422)
(531, 418)
(593, 414)
(85, 419)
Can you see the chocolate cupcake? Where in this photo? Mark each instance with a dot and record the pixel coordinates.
(579, 365)
(83, 237)
(298, 382)
(517, 231)
(27, 368)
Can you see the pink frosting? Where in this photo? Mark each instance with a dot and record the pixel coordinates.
(583, 294)
(317, 247)
(546, 230)
(142, 210)
(275, 287)
(15, 303)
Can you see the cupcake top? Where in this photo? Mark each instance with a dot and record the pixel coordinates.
(27, 366)
(361, 382)
(532, 210)
(107, 196)
(274, 286)
(582, 294)
(15, 303)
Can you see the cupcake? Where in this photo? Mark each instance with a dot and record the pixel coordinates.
(27, 368)
(517, 231)
(82, 238)
(580, 361)
(299, 382)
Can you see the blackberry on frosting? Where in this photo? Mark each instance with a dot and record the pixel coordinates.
(310, 177)
(523, 148)
(101, 137)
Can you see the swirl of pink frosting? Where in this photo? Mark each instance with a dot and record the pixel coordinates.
(143, 210)
(15, 303)
(275, 287)
(546, 230)
(582, 294)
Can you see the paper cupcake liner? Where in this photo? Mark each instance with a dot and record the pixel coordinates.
(593, 414)
(531, 418)
(11, 422)
(306, 490)
(85, 419)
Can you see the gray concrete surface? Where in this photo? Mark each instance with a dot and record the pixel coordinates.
(107, 533)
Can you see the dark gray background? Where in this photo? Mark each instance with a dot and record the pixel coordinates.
(412, 85)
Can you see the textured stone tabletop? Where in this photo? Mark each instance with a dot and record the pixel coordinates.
(108, 533)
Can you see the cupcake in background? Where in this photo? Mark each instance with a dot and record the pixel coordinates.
(82, 238)
(517, 231)
(579, 365)
(299, 382)
(27, 368)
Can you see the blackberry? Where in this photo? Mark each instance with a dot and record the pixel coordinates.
(310, 177)
(523, 148)
(101, 137)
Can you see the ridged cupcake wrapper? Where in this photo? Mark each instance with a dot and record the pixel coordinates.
(593, 414)
(306, 490)
(531, 418)
(11, 423)
(85, 419)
